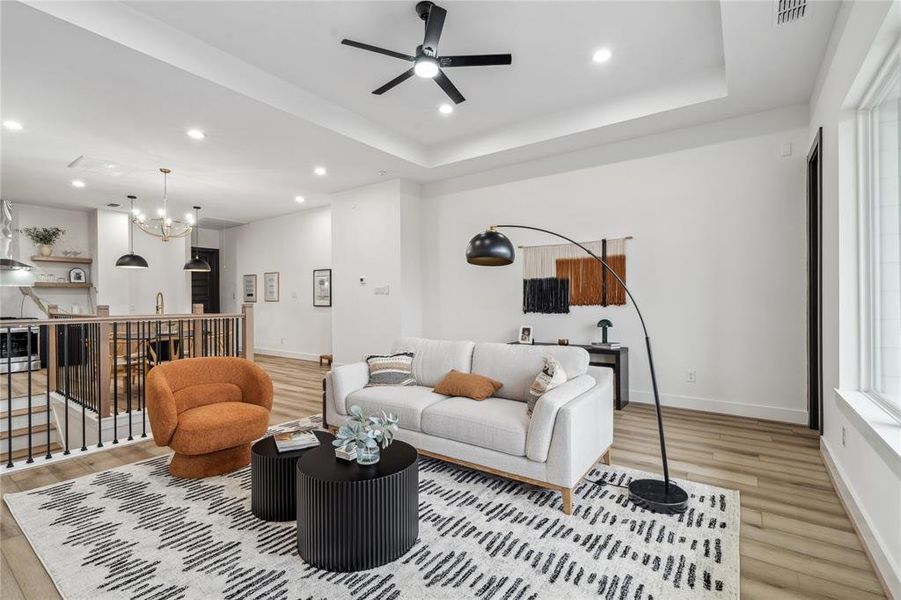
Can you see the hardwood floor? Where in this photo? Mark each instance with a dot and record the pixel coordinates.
(796, 539)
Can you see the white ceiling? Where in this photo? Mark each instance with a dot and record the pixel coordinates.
(277, 93)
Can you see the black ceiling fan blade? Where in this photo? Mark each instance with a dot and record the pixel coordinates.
(378, 50)
(399, 79)
(475, 60)
(433, 27)
(449, 88)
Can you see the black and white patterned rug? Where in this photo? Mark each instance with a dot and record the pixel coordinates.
(136, 532)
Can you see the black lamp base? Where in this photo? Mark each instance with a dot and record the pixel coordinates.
(655, 496)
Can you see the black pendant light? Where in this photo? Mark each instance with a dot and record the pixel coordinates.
(196, 264)
(131, 260)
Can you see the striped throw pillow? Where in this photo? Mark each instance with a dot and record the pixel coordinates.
(393, 369)
(550, 377)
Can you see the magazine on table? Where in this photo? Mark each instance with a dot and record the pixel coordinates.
(286, 441)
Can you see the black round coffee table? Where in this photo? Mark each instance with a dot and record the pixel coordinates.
(273, 493)
(352, 517)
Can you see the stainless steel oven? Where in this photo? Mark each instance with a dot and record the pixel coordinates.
(14, 354)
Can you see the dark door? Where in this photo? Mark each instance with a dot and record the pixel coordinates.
(814, 283)
(205, 286)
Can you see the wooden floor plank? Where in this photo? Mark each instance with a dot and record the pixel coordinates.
(797, 542)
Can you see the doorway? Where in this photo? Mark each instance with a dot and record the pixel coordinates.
(205, 286)
(815, 283)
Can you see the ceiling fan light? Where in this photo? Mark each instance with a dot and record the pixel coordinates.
(426, 67)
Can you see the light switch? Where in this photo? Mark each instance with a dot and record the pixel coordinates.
(787, 149)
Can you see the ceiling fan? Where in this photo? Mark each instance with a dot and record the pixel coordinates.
(426, 62)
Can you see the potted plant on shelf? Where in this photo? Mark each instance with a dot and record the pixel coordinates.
(367, 434)
(44, 238)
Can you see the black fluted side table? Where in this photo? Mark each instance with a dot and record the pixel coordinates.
(273, 491)
(352, 517)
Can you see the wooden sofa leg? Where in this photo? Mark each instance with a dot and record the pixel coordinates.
(607, 459)
(567, 494)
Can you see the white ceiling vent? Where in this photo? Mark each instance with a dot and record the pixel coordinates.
(789, 11)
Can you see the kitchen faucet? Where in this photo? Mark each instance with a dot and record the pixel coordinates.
(160, 303)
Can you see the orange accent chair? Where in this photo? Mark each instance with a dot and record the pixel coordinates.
(208, 410)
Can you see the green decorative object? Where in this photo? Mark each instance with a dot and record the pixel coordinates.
(44, 237)
(367, 434)
(604, 324)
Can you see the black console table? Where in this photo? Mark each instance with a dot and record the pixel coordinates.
(620, 366)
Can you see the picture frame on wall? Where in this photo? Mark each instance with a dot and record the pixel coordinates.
(250, 288)
(322, 287)
(270, 286)
(525, 334)
(77, 275)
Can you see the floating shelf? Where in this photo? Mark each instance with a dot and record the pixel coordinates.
(55, 284)
(76, 260)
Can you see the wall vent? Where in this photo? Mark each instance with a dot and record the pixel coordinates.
(789, 11)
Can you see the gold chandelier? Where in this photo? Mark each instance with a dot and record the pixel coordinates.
(164, 226)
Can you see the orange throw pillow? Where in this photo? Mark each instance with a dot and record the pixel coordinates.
(468, 385)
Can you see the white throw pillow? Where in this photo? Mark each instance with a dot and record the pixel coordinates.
(550, 377)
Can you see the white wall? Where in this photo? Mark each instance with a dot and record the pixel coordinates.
(77, 237)
(293, 245)
(869, 472)
(375, 236)
(208, 238)
(133, 291)
(717, 264)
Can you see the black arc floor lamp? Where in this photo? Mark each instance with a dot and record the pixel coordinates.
(491, 248)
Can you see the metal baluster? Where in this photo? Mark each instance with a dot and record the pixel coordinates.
(66, 382)
(84, 396)
(171, 343)
(142, 388)
(181, 340)
(28, 346)
(100, 383)
(128, 376)
(115, 347)
(55, 333)
(9, 397)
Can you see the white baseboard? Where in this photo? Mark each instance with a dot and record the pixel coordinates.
(754, 411)
(287, 354)
(888, 573)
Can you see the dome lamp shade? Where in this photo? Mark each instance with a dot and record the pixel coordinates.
(131, 260)
(196, 264)
(490, 248)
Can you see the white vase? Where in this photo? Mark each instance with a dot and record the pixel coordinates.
(45, 250)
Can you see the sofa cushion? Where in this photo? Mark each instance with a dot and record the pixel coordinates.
(218, 426)
(433, 359)
(493, 423)
(516, 365)
(406, 402)
(395, 369)
(467, 385)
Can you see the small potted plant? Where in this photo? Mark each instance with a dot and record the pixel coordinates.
(367, 434)
(44, 237)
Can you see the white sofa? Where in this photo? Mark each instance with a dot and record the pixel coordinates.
(570, 430)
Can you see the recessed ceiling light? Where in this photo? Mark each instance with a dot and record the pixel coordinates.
(602, 55)
(299, 199)
(196, 134)
(77, 183)
(445, 109)
(13, 125)
(320, 171)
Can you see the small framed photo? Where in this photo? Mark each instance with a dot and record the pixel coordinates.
(77, 275)
(250, 288)
(270, 287)
(322, 287)
(525, 334)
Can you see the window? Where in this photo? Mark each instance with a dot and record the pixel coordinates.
(880, 177)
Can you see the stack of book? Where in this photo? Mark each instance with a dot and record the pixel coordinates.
(608, 345)
(299, 439)
(348, 452)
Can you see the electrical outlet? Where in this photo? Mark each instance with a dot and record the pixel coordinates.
(382, 290)
(844, 436)
(691, 376)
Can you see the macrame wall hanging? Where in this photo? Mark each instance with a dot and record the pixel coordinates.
(559, 276)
